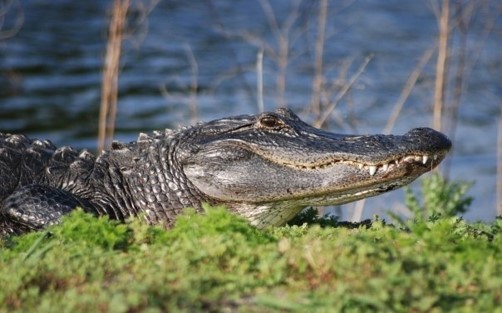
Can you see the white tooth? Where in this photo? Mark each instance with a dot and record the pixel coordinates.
(385, 167)
(409, 158)
(360, 165)
(372, 169)
(424, 159)
(435, 156)
(397, 162)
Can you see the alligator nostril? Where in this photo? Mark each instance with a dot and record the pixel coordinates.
(430, 137)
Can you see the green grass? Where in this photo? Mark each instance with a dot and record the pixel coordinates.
(217, 262)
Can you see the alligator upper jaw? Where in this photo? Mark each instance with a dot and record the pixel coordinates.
(378, 166)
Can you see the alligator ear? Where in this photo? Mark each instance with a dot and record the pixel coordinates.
(213, 155)
(225, 125)
(211, 131)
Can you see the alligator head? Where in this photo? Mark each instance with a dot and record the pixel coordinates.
(268, 167)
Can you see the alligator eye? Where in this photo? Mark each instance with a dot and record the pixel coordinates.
(270, 121)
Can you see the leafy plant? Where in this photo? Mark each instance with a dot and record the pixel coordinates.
(440, 198)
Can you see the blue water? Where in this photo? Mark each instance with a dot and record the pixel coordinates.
(50, 73)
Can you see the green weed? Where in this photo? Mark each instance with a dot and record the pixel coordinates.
(218, 262)
(441, 198)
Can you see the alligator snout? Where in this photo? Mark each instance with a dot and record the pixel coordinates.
(429, 139)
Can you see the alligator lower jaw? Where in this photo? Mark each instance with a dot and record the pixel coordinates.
(263, 215)
(279, 213)
(266, 214)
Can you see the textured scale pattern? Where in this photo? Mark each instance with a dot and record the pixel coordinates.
(40, 182)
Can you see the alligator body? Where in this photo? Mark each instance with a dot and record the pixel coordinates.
(265, 167)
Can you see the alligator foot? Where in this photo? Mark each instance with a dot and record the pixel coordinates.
(34, 207)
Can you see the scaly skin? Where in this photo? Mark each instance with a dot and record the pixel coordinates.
(265, 167)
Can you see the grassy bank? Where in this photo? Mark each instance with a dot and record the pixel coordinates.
(218, 262)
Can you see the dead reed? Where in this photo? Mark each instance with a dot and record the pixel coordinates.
(443, 16)
(109, 89)
(499, 168)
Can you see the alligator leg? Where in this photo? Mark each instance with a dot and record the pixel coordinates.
(34, 207)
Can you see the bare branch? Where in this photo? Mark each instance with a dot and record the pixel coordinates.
(193, 85)
(342, 93)
(269, 14)
(405, 93)
(5, 8)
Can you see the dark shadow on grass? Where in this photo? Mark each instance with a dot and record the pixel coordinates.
(310, 216)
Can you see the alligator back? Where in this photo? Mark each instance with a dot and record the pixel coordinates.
(24, 161)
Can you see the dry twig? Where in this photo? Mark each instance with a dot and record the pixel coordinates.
(259, 80)
(5, 8)
(405, 93)
(499, 168)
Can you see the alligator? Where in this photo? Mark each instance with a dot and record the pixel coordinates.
(265, 167)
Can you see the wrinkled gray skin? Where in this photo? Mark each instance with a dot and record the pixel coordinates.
(264, 167)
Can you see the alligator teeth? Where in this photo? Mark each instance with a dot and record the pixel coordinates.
(424, 159)
(372, 169)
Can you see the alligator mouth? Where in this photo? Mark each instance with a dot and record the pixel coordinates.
(425, 160)
(329, 180)
(361, 180)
